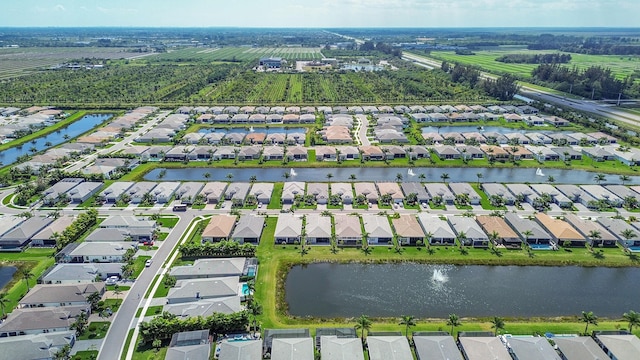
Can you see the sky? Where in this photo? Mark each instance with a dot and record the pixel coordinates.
(321, 13)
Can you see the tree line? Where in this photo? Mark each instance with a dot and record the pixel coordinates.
(534, 58)
(503, 88)
(164, 326)
(595, 82)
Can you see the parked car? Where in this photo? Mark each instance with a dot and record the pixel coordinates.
(148, 263)
(112, 280)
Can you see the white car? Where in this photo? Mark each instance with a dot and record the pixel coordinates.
(148, 263)
(112, 280)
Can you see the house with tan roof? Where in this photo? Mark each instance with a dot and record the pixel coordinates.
(496, 225)
(391, 188)
(371, 152)
(318, 228)
(347, 228)
(288, 229)
(561, 231)
(407, 229)
(219, 228)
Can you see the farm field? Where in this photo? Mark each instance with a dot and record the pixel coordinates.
(621, 66)
(20, 61)
(240, 54)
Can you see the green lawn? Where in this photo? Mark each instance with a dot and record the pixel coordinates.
(276, 196)
(85, 355)
(138, 265)
(95, 330)
(168, 221)
(153, 310)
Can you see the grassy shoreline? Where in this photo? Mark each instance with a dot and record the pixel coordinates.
(42, 132)
(276, 260)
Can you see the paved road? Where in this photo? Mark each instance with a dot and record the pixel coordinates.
(361, 130)
(123, 321)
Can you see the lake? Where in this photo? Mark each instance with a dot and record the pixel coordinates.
(6, 274)
(514, 175)
(78, 127)
(421, 290)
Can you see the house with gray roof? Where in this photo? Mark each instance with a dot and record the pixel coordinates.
(108, 235)
(528, 230)
(40, 346)
(618, 227)
(127, 221)
(189, 345)
(60, 295)
(292, 349)
(101, 252)
(213, 191)
(601, 193)
(164, 191)
(437, 230)
(21, 235)
(137, 192)
(469, 231)
(320, 192)
(112, 193)
(483, 348)
(532, 348)
(521, 192)
(556, 196)
(237, 191)
(623, 192)
(262, 192)
(464, 189)
(619, 347)
(188, 191)
(588, 228)
(80, 273)
(440, 190)
(597, 153)
(290, 189)
(436, 347)
(205, 307)
(9, 223)
(55, 192)
(377, 228)
(241, 350)
(415, 188)
(210, 268)
(341, 348)
(567, 153)
(344, 190)
(499, 190)
(367, 189)
(288, 229)
(446, 152)
(389, 348)
(46, 236)
(579, 348)
(190, 290)
(84, 191)
(577, 195)
(248, 229)
(347, 229)
(318, 228)
(32, 321)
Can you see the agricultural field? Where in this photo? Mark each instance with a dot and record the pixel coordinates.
(621, 66)
(240, 54)
(20, 61)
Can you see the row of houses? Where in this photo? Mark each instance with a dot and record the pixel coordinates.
(238, 137)
(73, 190)
(17, 123)
(354, 110)
(547, 138)
(55, 157)
(258, 118)
(17, 232)
(117, 127)
(531, 120)
(564, 195)
(165, 130)
(343, 343)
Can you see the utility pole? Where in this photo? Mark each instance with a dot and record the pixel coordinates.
(593, 91)
(619, 97)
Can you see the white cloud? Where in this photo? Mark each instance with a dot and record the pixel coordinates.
(59, 7)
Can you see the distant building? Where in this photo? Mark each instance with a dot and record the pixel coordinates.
(271, 63)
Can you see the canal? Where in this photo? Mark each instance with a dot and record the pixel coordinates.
(82, 125)
(432, 174)
(6, 274)
(391, 290)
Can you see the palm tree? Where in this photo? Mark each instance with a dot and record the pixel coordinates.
(600, 177)
(479, 176)
(286, 175)
(444, 177)
(229, 176)
(207, 175)
(624, 178)
(352, 177)
(589, 318)
(117, 291)
(453, 321)
(422, 177)
(551, 179)
(633, 318)
(594, 235)
(497, 323)
(253, 179)
(329, 176)
(26, 275)
(4, 301)
(363, 323)
(627, 234)
(526, 235)
(408, 321)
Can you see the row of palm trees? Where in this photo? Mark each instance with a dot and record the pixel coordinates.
(364, 323)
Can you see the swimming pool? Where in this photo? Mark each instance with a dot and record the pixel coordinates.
(251, 272)
(540, 246)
